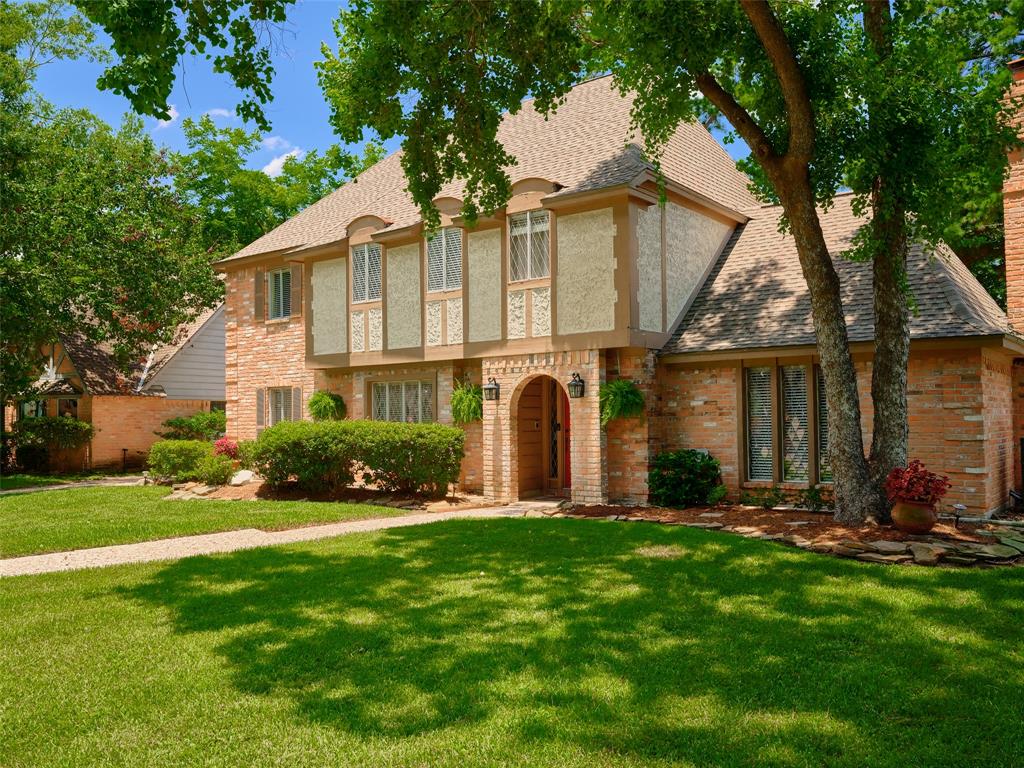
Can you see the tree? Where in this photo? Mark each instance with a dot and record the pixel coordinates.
(897, 100)
(92, 236)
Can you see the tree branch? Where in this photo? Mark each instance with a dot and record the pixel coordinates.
(740, 119)
(799, 114)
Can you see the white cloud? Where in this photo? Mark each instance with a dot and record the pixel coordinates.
(227, 114)
(174, 116)
(276, 142)
(275, 166)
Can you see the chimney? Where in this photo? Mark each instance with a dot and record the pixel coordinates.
(1013, 210)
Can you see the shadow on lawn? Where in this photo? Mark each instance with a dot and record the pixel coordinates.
(734, 651)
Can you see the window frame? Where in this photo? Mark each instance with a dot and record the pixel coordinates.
(529, 245)
(814, 382)
(286, 398)
(366, 248)
(285, 295)
(402, 382)
(441, 233)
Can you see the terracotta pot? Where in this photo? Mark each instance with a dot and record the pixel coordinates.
(911, 517)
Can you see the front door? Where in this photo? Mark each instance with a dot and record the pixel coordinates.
(556, 411)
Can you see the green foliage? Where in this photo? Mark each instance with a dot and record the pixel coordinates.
(202, 425)
(327, 406)
(215, 469)
(718, 494)
(765, 498)
(467, 403)
(178, 459)
(620, 399)
(683, 479)
(813, 499)
(393, 456)
(60, 432)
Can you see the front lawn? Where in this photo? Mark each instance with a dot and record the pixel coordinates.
(23, 480)
(514, 642)
(52, 521)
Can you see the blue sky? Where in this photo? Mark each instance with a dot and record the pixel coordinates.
(298, 113)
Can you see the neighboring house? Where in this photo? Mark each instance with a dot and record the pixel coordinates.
(700, 301)
(81, 378)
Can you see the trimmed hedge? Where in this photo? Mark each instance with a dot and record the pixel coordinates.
(683, 478)
(202, 425)
(178, 459)
(395, 457)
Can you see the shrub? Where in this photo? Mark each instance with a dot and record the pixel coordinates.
(683, 478)
(204, 425)
(215, 469)
(916, 485)
(225, 447)
(178, 459)
(467, 403)
(718, 494)
(620, 399)
(396, 457)
(765, 498)
(327, 406)
(61, 432)
(813, 499)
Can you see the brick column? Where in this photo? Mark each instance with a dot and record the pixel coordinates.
(1013, 213)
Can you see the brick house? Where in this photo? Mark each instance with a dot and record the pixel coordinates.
(81, 378)
(700, 301)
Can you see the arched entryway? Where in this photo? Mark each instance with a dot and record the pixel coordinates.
(543, 438)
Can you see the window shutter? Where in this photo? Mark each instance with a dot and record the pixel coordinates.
(296, 403)
(261, 408)
(259, 289)
(296, 290)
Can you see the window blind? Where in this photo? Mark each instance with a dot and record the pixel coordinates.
(794, 423)
(824, 465)
(760, 458)
(409, 401)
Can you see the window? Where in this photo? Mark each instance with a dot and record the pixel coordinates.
(784, 417)
(68, 407)
(279, 290)
(31, 408)
(410, 401)
(444, 260)
(366, 272)
(529, 255)
(218, 405)
(280, 404)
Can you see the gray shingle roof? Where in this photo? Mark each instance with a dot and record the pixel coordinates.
(756, 296)
(586, 145)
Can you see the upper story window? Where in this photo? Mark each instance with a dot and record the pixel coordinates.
(529, 246)
(366, 272)
(444, 260)
(784, 409)
(279, 290)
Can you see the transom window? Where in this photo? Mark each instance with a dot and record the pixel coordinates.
(281, 406)
(410, 401)
(444, 260)
(529, 245)
(279, 288)
(366, 272)
(786, 424)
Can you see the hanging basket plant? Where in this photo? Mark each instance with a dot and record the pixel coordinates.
(327, 406)
(620, 399)
(467, 403)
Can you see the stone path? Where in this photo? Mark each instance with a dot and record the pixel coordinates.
(247, 538)
(109, 481)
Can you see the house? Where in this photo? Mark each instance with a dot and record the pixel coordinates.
(81, 378)
(584, 274)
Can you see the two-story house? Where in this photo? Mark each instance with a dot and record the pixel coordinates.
(586, 274)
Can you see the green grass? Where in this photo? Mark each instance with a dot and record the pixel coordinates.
(53, 521)
(24, 480)
(514, 642)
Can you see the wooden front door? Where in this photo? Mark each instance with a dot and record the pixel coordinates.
(556, 437)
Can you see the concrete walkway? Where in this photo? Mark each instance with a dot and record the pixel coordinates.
(231, 541)
(125, 480)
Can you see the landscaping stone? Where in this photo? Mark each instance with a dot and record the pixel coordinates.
(798, 523)
(876, 557)
(201, 490)
(883, 547)
(959, 560)
(926, 554)
(705, 526)
(842, 551)
(241, 477)
(711, 514)
(1012, 542)
(997, 551)
(859, 546)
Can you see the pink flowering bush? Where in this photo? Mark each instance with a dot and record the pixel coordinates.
(916, 485)
(226, 447)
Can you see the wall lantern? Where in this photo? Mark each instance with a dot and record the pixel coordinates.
(576, 386)
(491, 389)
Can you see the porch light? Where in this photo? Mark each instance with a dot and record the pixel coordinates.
(576, 386)
(491, 389)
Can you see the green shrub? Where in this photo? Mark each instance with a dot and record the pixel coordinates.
(718, 494)
(467, 403)
(765, 498)
(61, 432)
(620, 399)
(204, 425)
(396, 457)
(215, 469)
(327, 406)
(178, 459)
(813, 499)
(683, 478)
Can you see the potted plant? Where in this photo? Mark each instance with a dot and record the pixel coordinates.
(914, 491)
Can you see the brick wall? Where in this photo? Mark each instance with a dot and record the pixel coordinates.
(1013, 216)
(629, 440)
(131, 422)
(258, 355)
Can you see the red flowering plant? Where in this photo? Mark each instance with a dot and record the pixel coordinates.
(915, 485)
(226, 447)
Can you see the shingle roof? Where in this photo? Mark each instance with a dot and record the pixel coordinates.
(756, 296)
(587, 144)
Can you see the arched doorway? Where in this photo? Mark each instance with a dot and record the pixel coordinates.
(543, 435)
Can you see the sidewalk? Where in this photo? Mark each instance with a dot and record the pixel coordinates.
(125, 480)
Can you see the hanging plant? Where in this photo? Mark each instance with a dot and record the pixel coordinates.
(327, 406)
(467, 403)
(620, 399)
